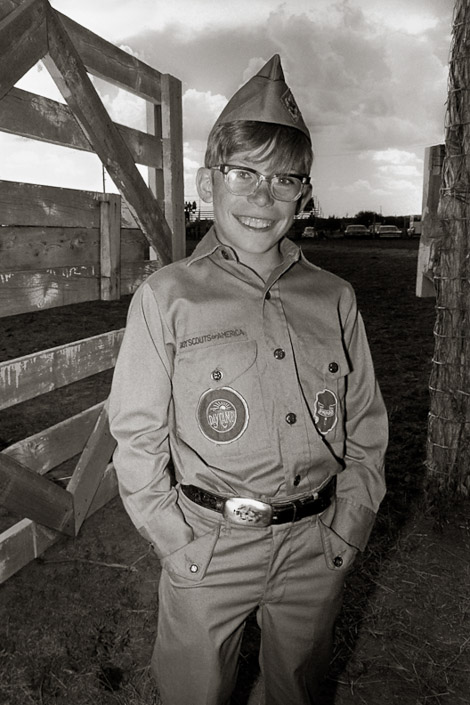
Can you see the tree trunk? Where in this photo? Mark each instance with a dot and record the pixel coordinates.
(448, 452)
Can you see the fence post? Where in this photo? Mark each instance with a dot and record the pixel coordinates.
(155, 176)
(110, 247)
(172, 142)
(433, 161)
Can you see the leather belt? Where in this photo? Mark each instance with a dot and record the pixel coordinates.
(252, 512)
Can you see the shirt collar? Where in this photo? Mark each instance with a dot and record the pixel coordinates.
(207, 246)
(210, 243)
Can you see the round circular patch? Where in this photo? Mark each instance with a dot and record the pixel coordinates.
(222, 415)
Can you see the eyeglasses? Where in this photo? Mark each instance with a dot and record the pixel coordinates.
(243, 181)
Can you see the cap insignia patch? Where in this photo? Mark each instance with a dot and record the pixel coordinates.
(288, 101)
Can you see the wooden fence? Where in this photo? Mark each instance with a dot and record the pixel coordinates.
(62, 246)
(431, 227)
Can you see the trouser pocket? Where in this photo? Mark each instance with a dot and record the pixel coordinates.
(339, 555)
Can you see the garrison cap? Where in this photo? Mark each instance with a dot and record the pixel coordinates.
(266, 97)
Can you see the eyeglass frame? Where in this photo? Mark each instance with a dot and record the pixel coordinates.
(226, 168)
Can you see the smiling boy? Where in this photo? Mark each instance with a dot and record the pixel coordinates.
(249, 367)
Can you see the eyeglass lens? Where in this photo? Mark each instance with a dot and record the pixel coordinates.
(244, 183)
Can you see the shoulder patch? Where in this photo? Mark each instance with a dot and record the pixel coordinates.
(325, 411)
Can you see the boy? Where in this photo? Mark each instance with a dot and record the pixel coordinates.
(250, 368)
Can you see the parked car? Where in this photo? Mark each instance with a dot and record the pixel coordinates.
(389, 231)
(356, 231)
(309, 231)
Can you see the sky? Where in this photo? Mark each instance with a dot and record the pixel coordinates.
(370, 78)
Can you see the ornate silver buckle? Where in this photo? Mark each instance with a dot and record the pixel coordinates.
(247, 511)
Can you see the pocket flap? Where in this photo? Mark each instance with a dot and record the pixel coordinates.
(218, 365)
(191, 561)
(328, 357)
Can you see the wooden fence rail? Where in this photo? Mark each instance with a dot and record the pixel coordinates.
(23, 489)
(61, 246)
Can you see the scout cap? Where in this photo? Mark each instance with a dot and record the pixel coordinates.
(266, 97)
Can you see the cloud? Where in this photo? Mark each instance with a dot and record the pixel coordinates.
(124, 107)
(367, 76)
(200, 111)
(345, 69)
(370, 77)
(394, 156)
(29, 161)
(112, 19)
(362, 185)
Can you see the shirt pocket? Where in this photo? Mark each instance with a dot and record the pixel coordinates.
(219, 410)
(323, 371)
(339, 555)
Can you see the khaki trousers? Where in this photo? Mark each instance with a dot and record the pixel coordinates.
(207, 590)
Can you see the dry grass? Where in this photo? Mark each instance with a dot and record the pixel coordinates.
(77, 626)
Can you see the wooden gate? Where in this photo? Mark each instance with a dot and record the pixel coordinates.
(61, 246)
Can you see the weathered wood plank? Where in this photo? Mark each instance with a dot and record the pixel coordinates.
(26, 248)
(173, 178)
(134, 273)
(104, 59)
(38, 373)
(36, 205)
(26, 540)
(18, 547)
(58, 286)
(155, 176)
(110, 248)
(27, 494)
(23, 292)
(90, 468)
(7, 7)
(107, 61)
(23, 42)
(431, 225)
(68, 72)
(53, 446)
(134, 246)
(127, 219)
(31, 115)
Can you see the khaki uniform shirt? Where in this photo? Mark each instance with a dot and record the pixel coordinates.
(256, 389)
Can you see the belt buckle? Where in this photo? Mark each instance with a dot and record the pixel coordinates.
(247, 511)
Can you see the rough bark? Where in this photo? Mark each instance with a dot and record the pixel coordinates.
(448, 452)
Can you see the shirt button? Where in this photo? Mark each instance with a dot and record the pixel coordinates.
(338, 561)
(291, 418)
(216, 375)
(193, 568)
(333, 367)
(279, 354)
(297, 479)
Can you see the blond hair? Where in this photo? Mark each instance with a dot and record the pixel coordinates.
(286, 148)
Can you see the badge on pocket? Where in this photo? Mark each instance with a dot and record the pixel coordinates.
(222, 415)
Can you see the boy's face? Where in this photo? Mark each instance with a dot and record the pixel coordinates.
(253, 225)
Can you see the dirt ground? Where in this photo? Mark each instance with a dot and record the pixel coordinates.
(77, 625)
